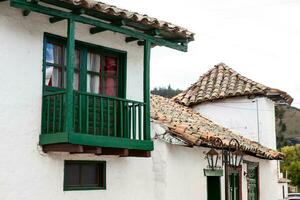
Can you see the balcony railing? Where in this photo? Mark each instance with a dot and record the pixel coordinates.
(98, 121)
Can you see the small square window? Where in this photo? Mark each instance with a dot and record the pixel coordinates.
(85, 175)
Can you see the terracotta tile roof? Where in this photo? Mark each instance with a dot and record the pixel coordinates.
(222, 82)
(199, 131)
(172, 30)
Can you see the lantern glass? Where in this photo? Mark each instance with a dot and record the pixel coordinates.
(212, 158)
(237, 158)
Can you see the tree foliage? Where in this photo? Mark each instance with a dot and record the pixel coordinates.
(168, 92)
(291, 163)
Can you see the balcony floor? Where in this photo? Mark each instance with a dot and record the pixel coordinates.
(86, 143)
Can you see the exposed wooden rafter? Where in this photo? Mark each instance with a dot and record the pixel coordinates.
(152, 32)
(25, 13)
(119, 23)
(54, 12)
(71, 148)
(130, 39)
(79, 11)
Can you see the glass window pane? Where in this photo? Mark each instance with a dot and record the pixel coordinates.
(89, 175)
(110, 76)
(110, 86)
(53, 76)
(72, 176)
(54, 53)
(110, 65)
(93, 83)
(76, 81)
(77, 59)
(93, 62)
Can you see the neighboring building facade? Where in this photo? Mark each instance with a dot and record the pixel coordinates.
(242, 105)
(184, 128)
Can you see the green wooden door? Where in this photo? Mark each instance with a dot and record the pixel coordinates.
(213, 188)
(252, 171)
(234, 189)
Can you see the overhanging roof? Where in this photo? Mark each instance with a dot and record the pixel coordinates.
(222, 82)
(199, 131)
(136, 20)
(137, 27)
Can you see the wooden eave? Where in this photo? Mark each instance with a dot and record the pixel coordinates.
(104, 21)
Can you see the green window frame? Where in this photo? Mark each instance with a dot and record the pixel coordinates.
(83, 48)
(78, 175)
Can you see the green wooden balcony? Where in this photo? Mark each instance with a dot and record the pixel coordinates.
(109, 123)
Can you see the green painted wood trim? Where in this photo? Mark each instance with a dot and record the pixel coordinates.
(210, 172)
(112, 27)
(106, 141)
(147, 49)
(53, 138)
(70, 74)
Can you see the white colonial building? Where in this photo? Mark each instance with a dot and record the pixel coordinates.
(75, 112)
(247, 108)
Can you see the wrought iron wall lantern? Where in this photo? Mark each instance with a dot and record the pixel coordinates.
(232, 156)
(213, 155)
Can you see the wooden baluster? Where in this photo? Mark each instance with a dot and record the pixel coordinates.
(140, 121)
(121, 119)
(129, 120)
(108, 116)
(133, 121)
(101, 117)
(80, 112)
(87, 114)
(60, 112)
(115, 117)
(48, 113)
(94, 114)
(126, 119)
(54, 113)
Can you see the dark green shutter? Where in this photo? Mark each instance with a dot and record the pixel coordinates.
(252, 171)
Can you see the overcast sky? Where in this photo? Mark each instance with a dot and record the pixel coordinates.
(258, 38)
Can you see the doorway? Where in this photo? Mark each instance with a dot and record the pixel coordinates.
(233, 183)
(253, 186)
(213, 188)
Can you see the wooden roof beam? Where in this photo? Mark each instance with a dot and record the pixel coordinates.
(95, 30)
(142, 43)
(71, 148)
(25, 13)
(152, 32)
(79, 11)
(130, 39)
(54, 12)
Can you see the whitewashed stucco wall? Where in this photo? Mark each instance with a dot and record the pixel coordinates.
(27, 173)
(252, 118)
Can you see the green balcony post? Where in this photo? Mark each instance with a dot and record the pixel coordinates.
(70, 75)
(147, 49)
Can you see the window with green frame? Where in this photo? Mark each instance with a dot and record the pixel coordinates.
(97, 69)
(84, 175)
